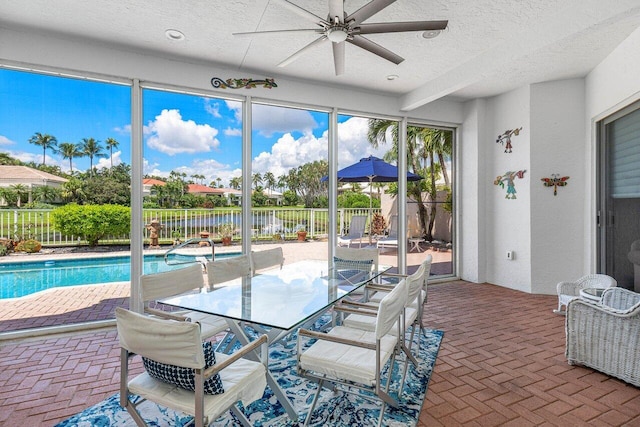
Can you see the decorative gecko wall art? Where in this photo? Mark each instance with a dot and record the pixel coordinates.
(509, 177)
(505, 138)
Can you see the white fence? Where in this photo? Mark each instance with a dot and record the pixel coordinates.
(266, 224)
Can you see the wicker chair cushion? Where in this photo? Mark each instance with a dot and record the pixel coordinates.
(185, 377)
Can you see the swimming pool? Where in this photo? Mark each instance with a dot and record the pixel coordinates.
(18, 279)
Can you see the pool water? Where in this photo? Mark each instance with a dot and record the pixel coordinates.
(23, 278)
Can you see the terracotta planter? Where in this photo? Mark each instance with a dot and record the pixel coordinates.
(226, 241)
(302, 236)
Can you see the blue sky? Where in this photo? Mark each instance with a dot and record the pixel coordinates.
(185, 133)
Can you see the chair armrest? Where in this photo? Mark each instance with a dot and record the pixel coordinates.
(166, 314)
(380, 287)
(332, 338)
(262, 341)
(569, 288)
(620, 299)
(352, 310)
(357, 304)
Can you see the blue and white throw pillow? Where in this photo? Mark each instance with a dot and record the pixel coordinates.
(185, 377)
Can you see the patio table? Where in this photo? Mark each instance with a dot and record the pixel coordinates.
(280, 299)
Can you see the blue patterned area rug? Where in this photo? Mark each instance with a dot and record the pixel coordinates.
(333, 409)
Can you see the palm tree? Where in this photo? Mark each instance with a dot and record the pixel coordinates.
(257, 179)
(69, 150)
(235, 182)
(45, 194)
(111, 143)
(91, 148)
(377, 133)
(45, 141)
(6, 159)
(20, 190)
(269, 180)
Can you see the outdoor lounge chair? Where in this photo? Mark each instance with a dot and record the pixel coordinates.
(356, 231)
(169, 342)
(391, 239)
(176, 282)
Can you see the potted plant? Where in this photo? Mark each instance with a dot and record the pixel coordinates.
(302, 234)
(226, 232)
(176, 235)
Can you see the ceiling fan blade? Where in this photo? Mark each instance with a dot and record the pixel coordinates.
(299, 53)
(251, 33)
(336, 8)
(304, 13)
(338, 58)
(368, 10)
(376, 49)
(398, 27)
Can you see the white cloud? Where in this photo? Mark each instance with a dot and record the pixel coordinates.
(354, 145)
(124, 130)
(5, 141)
(268, 120)
(212, 108)
(169, 134)
(289, 153)
(106, 162)
(233, 132)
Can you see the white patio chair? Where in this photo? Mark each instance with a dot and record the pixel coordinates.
(357, 227)
(265, 259)
(180, 344)
(410, 316)
(426, 263)
(227, 269)
(176, 282)
(357, 255)
(570, 290)
(353, 358)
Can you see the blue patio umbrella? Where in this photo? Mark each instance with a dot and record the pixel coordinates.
(371, 169)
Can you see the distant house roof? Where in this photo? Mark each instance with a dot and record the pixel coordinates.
(26, 175)
(203, 189)
(152, 181)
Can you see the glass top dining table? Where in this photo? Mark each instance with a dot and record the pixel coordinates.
(282, 298)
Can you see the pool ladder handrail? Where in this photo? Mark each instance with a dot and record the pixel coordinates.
(201, 259)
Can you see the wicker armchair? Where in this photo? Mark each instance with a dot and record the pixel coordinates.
(606, 336)
(570, 290)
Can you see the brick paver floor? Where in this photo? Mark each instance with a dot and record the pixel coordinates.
(501, 363)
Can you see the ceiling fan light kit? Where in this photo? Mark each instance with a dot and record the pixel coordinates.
(340, 28)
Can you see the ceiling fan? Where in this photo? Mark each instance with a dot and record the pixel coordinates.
(339, 28)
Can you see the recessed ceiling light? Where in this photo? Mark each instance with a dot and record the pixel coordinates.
(174, 35)
(392, 76)
(431, 34)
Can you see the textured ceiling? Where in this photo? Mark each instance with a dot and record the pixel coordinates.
(490, 46)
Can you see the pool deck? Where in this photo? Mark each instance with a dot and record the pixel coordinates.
(91, 303)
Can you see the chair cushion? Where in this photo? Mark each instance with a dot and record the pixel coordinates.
(185, 377)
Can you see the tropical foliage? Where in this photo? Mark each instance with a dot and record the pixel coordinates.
(428, 150)
(92, 222)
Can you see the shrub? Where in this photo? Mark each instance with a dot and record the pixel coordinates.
(29, 246)
(92, 222)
